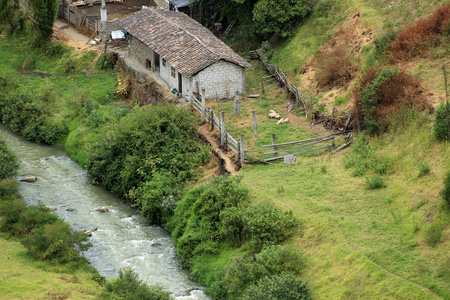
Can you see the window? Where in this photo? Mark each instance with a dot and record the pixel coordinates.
(148, 64)
(172, 71)
(164, 62)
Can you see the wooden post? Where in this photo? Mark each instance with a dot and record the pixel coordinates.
(238, 150)
(274, 142)
(190, 103)
(237, 104)
(203, 106)
(255, 125)
(212, 120)
(332, 119)
(242, 151)
(222, 128)
(262, 86)
(348, 119)
(226, 139)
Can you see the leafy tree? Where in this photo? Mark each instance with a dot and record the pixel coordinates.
(440, 123)
(44, 15)
(279, 17)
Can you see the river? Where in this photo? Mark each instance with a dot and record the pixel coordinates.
(122, 238)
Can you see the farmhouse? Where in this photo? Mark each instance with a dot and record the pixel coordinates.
(187, 56)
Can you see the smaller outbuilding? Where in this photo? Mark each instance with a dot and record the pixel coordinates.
(187, 56)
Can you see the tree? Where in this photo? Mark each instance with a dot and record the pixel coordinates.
(44, 15)
(279, 17)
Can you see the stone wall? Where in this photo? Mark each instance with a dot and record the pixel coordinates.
(222, 77)
(140, 52)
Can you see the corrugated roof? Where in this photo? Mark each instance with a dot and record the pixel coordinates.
(183, 42)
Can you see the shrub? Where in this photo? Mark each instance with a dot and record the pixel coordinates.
(128, 286)
(278, 17)
(440, 128)
(29, 116)
(107, 61)
(8, 188)
(378, 92)
(446, 190)
(334, 67)
(22, 219)
(283, 287)
(414, 40)
(265, 224)
(56, 241)
(8, 161)
(375, 181)
(146, 141)
(196, 221)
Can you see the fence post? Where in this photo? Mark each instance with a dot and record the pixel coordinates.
(242, 150)
(238, 150)
(332, 118)
(203, 106)
(212, 120)
(190, 103)
(222, 128)
(274, 142)
(237, 104)
(262, 86)
(255, 125)
(348, 119)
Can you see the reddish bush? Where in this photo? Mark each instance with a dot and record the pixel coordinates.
(414, 40)
(399, 91)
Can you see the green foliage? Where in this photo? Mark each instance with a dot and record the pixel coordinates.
(364, 158)
(107, 61)
(375, 181)
(383, 42)
(369, 102)
(273, 260)
(196, 221)
(279, 17)
(128, 286)
(54, 49)
(281, 287)
(8, 189)
(446, 190)
(148, 143)
(340, 100)
(440, 128)
(55, 241)
(8, 161)
(29, 115)
(433, 234)
(44, 14)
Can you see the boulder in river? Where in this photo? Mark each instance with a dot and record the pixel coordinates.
(135, 205)
(87, 232)
(156, 244)
(50, 208)
(29, 179)
(70, 209)
(103, 209)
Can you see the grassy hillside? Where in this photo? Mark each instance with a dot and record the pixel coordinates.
(361, 243)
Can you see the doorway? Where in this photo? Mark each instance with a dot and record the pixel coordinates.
(156, 62)
(180, 84)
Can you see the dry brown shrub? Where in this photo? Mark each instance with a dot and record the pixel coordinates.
(398, 92)
(414, 40)
(334, 67)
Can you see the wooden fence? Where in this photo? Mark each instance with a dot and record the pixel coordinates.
(280, 77)
(226, 140)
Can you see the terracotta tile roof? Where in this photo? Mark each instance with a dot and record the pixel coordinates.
(183, 42)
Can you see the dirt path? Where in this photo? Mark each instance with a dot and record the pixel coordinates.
(210, 136)
(68, 34)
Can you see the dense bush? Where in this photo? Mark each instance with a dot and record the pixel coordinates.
(148, 143)
(375, 182)
(446, 191)
(196, 221)
(280, 287)
(381, 92)
(29, 115)
(440, 128)
(8, 161)
(55, 241)
(279, 17)
(128, 286)
(273, 260)
(107, 61)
